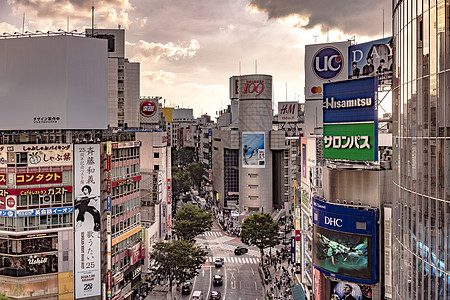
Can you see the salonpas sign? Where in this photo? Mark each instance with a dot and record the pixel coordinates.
(350, 141)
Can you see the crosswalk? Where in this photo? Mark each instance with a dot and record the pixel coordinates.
(211, 233)
(236, 260)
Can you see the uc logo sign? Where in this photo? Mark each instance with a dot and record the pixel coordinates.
(327, 63)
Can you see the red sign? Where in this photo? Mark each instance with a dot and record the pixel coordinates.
(37, 191)
(254, 87)
(2, 179)
(135, 253)
(126, 181)
(39, 178)
(169, 192)
(10, 202)
(108, 163)
(148, 108)
(108, 284)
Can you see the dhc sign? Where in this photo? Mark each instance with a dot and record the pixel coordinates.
(333, 221)
(327, 63)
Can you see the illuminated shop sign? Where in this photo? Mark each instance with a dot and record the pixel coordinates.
(49, 158)
(350, 101)
(39, 178)
(36, 212)
(36, 191)
(345, 242)
(352, 141)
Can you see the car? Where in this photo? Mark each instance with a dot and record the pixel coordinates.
(217, 280)
(186, 288)
(215, 295)
(218, 262)
(240, 250)
(197, 295)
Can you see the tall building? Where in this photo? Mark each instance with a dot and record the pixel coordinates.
(123, 81)
(421, 163)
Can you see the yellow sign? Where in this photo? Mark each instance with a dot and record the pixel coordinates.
(125, 235)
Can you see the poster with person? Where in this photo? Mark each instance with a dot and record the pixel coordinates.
(253, 152)
(371, 59)
(87, 220)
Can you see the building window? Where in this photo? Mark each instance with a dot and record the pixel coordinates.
(156, 155)
(156, 167)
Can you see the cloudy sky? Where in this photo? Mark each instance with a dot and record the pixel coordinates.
(188, 49)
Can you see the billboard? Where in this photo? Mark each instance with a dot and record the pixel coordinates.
(287, 111)
(345, 242)
(87, 220)
(352, 141)
(253, 151)
(324, 63)
(234, 87)
(350, 101)
(62, 83)
(341, 290)
(255, 87)
(149, 110)
(371, 59)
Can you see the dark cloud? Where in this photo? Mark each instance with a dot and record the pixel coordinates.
(362, 17)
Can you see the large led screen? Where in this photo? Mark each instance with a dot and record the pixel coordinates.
(343, 253)
(346, 244)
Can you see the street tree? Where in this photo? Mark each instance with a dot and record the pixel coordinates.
(185, 155)
(260, 230)
(191, 221)
(196, 172)
(181, 182)
(177, 261)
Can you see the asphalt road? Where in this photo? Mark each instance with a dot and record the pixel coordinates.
(241, 280)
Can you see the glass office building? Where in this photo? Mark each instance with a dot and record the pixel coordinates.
(421, 164)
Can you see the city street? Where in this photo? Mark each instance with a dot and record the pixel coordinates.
(239, 272)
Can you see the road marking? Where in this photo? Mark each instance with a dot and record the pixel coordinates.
(256, 287)
(253, 272)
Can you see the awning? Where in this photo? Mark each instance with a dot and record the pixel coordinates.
(298, 293)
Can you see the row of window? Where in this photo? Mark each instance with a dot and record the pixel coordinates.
(36, 222)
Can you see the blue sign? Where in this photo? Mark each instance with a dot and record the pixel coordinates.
(108, 203)
(36, 212)
(328, 63)
(350, 101)
(346, 242)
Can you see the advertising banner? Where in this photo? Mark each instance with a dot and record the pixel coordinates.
(352, 141)
(36, 212)
(341, 290)
(50, 191)
(350, 101)
(387, 253)
(87, 220)
(371, 59)
(287, 111)
(253, 151)
(150, 111)
(318, 285)
(324, 63)
(345, 242)
(8, 203)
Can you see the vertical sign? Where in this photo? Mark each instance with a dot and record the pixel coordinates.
(87, 220)
(387, 253)
(160, 202)
(304, 174)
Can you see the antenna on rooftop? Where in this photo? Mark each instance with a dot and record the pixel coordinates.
(93, 2)
(23, 23)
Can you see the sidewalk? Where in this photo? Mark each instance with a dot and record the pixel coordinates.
(278, 276)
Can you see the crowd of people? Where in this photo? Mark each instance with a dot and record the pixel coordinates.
(278, 280)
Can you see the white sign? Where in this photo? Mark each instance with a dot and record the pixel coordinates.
(87, 220)
(287, 111)
(387, 253)
(324, 63)
(49, 158)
